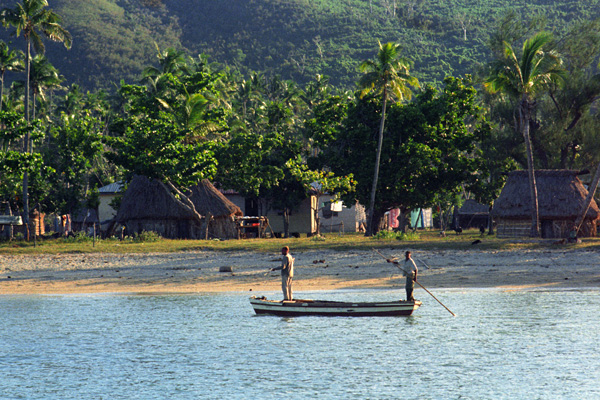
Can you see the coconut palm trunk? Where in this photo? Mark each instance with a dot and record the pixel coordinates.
(27, 141)
(389, 78)
(525, 114)
(370, 221)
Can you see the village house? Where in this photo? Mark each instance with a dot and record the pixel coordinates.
(561, 198)
(472, 215)
(106, 195)
(333, 216)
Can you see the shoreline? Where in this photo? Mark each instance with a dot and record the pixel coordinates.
(198, 271)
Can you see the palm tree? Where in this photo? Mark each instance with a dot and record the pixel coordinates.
(388, 76)
(33, 19)
(10, 60)
(171, 61)
(522, 78)
(43, 77)
(72, 102)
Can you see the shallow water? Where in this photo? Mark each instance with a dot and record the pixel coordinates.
(501, 345)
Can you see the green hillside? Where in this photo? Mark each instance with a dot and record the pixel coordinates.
(115, 39)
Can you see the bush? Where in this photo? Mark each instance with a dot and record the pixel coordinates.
(318, 238)
(79, 237)
(147, 236)
(389, 235)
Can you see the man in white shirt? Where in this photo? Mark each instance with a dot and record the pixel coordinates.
(409, 270)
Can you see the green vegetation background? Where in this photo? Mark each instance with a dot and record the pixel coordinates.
(115, 39)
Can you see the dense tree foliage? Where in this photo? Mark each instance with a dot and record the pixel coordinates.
(178, 117)
(431, 146)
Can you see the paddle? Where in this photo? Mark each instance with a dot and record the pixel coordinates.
(418, 283)
(424, 263)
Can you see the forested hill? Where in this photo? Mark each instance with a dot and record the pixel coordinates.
(115, 39)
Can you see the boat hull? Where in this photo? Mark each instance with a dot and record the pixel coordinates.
(333, 308)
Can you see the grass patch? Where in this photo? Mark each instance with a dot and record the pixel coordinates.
(152, 243)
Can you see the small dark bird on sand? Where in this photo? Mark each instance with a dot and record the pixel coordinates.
(476, 241)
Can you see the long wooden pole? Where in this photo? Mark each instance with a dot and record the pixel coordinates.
(418, 283)
(424, 288)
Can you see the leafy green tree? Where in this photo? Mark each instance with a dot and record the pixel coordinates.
(73, 153)
(523, 77)
(194, 94)
(387, 77)
(571, 106)
(73, 101)
(432, 146)
(267, 143)
(10, 60)
(14, 164)
(157, 146)
(245, 97)
(171, 61)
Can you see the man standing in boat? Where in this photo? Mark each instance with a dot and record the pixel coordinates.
(410, 270)
(287, 273)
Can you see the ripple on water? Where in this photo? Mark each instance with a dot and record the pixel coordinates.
(523, 344)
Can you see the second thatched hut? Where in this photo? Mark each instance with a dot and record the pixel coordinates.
(561, 198)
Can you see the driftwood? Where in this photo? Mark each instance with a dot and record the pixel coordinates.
(588, 200)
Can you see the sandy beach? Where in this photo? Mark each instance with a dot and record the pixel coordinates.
(199, 271)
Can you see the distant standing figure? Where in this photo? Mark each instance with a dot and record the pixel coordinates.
(287, 273)
(64, 226)
(410, 270)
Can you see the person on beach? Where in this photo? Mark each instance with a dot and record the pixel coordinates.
(287, 273)
(409, 270)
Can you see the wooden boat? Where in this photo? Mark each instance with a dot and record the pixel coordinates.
(300, 307)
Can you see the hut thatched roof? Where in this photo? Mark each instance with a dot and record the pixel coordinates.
(560, 195)
(471, 207)
(148, 199)
(208, 199)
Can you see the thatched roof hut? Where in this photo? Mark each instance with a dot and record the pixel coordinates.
(561, 197)
(83, 219)
(208, 200)
(148, 206)
(472, 215)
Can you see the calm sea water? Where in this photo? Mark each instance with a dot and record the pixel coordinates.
(501, 345)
